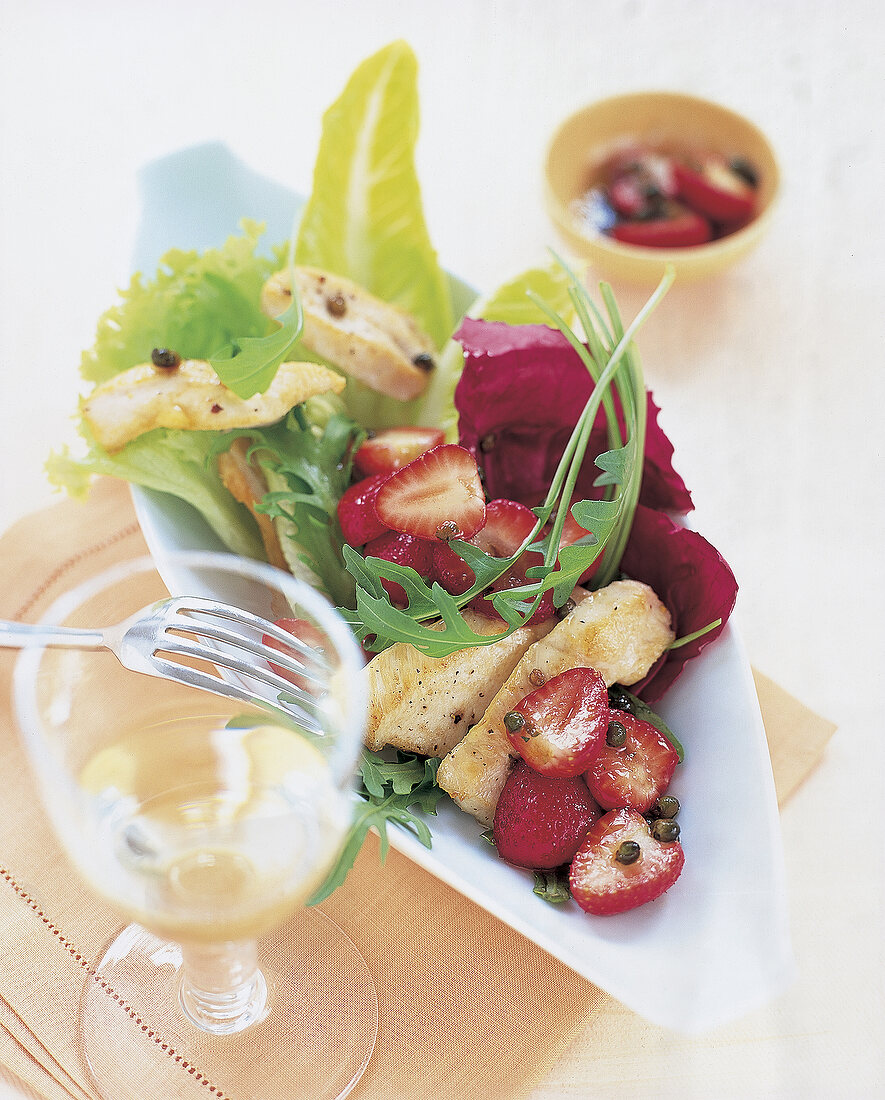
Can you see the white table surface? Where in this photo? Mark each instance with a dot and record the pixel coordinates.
(770, 377)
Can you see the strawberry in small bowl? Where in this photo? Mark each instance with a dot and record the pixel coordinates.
(615, 203)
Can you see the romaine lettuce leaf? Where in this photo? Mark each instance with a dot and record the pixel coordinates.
(365, 218)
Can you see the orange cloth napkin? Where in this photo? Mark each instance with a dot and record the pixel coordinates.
(468, 1006)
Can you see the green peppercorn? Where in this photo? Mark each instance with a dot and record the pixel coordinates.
(665, 830)
(628, 852)
(165, 359)
(514, 721)
(336, 304)
(666, 806)
(616, 734)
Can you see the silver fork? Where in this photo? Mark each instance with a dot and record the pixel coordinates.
(227, 637)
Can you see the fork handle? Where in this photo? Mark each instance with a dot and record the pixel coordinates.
(25, 635)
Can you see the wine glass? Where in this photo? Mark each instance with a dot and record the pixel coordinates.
(209, 823)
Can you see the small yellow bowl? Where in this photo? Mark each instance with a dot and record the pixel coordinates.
(583, 142)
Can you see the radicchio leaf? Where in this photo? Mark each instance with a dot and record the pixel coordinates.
(690, 577)
(519, 397)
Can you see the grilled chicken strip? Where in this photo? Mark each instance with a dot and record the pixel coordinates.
(620, 630)
(192, 396)
(424, 704)
(243, 478)
(366, 338)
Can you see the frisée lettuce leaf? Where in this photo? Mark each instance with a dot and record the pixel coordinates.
(197, 303)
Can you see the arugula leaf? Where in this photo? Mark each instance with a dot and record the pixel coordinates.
(389, 789)
(306, 461)
(552, 886)
(252, 361)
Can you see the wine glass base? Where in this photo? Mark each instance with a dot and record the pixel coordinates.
(313, 1042)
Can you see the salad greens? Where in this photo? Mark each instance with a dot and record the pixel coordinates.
(196, 303)
(306, 460)
(251, 362)
(610, 358)
(364, 220)
(389, 789)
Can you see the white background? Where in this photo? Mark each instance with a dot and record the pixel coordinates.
(770, 377)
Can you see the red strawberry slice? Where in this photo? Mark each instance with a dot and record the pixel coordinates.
(620, 865)
(635, 772)
(403, 550)
(356, 511)
(507, 526)
(393, 448)
(438, 495)
(305, 632)
(541, 822)
(716, 190)
(558, 728)
(680, 229)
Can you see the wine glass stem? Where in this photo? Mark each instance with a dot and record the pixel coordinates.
(222, 990)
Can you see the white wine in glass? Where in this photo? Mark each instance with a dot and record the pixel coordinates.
(208, 823)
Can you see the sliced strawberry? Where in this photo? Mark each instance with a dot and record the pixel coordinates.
(507, 526)
(714, 189)
(635, 772)
(628, 196)
(621, 865)
(541, 822)
(558, 728)
(438, 495)
(393, 448)
(305, 632)
(356, 511)
(403, 550)
(681, 228)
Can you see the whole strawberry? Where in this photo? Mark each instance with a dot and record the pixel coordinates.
(540, 822)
